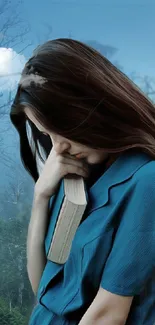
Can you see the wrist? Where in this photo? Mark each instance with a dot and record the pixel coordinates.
(40, 201)
(40, 195)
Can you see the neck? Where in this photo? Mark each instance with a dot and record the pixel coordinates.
(111, 158)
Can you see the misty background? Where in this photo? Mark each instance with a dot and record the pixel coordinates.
(123, 31)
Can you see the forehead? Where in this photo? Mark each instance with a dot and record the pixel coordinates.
(31, 117)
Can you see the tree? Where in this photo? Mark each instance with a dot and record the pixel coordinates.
(146, 84)
(107, 50)
(17, 193)
(10, 38)
(13, 318)
(14, 284)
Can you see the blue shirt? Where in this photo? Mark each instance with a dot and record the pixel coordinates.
(114, 247)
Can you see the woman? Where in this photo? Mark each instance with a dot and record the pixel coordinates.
(97, 124)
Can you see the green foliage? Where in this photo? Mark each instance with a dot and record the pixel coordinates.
(13, 317)
(16, 294)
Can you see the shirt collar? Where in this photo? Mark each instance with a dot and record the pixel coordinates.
(123, 168)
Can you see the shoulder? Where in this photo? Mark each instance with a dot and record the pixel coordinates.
(139, 203)
(147, 169)
(145, 176)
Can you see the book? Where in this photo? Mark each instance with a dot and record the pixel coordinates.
(68, 206)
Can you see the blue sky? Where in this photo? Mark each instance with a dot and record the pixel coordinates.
(126, 25)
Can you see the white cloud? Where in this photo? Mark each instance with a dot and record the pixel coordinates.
(25, 81)
(11, 66)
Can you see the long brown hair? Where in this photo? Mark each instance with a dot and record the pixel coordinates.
(84, 98)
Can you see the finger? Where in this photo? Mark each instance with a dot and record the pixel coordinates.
(75, 162)
(70, 169)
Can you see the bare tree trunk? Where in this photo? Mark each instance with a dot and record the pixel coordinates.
(10, 306)
(21, 287)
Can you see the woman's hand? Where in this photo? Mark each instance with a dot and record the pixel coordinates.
(56, 167)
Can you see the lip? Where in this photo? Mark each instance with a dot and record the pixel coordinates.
(79, 155)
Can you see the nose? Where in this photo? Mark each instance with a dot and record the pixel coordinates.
(61, 148)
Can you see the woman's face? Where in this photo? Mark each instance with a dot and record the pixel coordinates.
(62, 145)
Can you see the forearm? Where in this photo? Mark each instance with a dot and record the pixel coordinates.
(107, 309)
(104, 310)
(107, 319)
(36, 257)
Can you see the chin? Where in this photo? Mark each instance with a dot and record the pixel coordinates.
(92, 160)
(95, 160)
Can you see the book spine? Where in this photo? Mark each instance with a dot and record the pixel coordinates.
(70, 233)
(56, 204)
(68, 222)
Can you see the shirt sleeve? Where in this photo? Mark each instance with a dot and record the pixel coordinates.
(131, 262)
